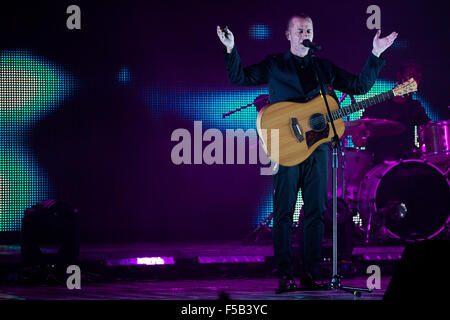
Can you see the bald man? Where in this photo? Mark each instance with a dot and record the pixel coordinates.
(290, 77)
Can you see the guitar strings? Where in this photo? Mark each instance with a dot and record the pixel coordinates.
(339, 113)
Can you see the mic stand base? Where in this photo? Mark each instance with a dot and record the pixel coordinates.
(335, 284)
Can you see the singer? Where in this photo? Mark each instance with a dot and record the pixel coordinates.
(290, 77)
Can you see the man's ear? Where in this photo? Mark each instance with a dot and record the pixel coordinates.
(288, 35)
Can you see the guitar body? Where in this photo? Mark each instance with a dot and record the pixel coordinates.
(302, 128)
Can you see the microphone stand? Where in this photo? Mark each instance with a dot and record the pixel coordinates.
(259, 102)
(335, 282)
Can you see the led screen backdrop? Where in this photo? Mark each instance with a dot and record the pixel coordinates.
(87, 115)
(31, 87)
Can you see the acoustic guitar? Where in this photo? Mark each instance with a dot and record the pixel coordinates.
(302, 127)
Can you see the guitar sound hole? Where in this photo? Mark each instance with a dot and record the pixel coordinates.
(317, 122)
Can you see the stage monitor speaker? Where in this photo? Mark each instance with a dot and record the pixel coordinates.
(421, 273)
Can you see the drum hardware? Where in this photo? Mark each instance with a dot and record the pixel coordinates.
(434, 143)
(361, 161)
(395, 209)
(386, 217)
(389, 204)
(434, 138)
(364, 188)
(368, 128)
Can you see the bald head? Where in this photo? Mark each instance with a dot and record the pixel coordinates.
(297, 16)
(299, 28)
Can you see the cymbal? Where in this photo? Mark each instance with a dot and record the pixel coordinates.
(373, 128)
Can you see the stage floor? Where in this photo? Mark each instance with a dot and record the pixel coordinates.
(95, 252)
(197, 271)
(235, 289)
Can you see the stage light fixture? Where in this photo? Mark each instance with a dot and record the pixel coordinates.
(51, 223)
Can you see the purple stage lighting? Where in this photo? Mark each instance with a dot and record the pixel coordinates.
(149, 261)
(231, 259)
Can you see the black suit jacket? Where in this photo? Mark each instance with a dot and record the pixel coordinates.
(280, 72)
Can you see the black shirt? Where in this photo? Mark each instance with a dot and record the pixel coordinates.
(305, 73)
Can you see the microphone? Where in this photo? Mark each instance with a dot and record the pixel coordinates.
(307, 43)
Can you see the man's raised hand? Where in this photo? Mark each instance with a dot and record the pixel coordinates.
(226, 37)
(381, 44)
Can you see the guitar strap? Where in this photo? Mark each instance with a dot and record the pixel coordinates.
(333, 94)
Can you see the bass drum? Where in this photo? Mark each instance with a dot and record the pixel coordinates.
(417, 190)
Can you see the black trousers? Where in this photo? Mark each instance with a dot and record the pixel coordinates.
(311, 176)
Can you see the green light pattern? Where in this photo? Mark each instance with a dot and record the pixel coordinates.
(31, 87)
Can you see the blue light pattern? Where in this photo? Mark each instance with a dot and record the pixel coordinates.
(259, 32)
(124, 75)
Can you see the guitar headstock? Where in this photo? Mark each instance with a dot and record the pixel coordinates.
(405, 87)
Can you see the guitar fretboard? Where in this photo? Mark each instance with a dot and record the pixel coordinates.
(339, 113)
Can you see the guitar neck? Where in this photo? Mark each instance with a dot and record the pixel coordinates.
(339, 113)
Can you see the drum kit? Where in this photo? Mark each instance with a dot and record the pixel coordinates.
(406, 199)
